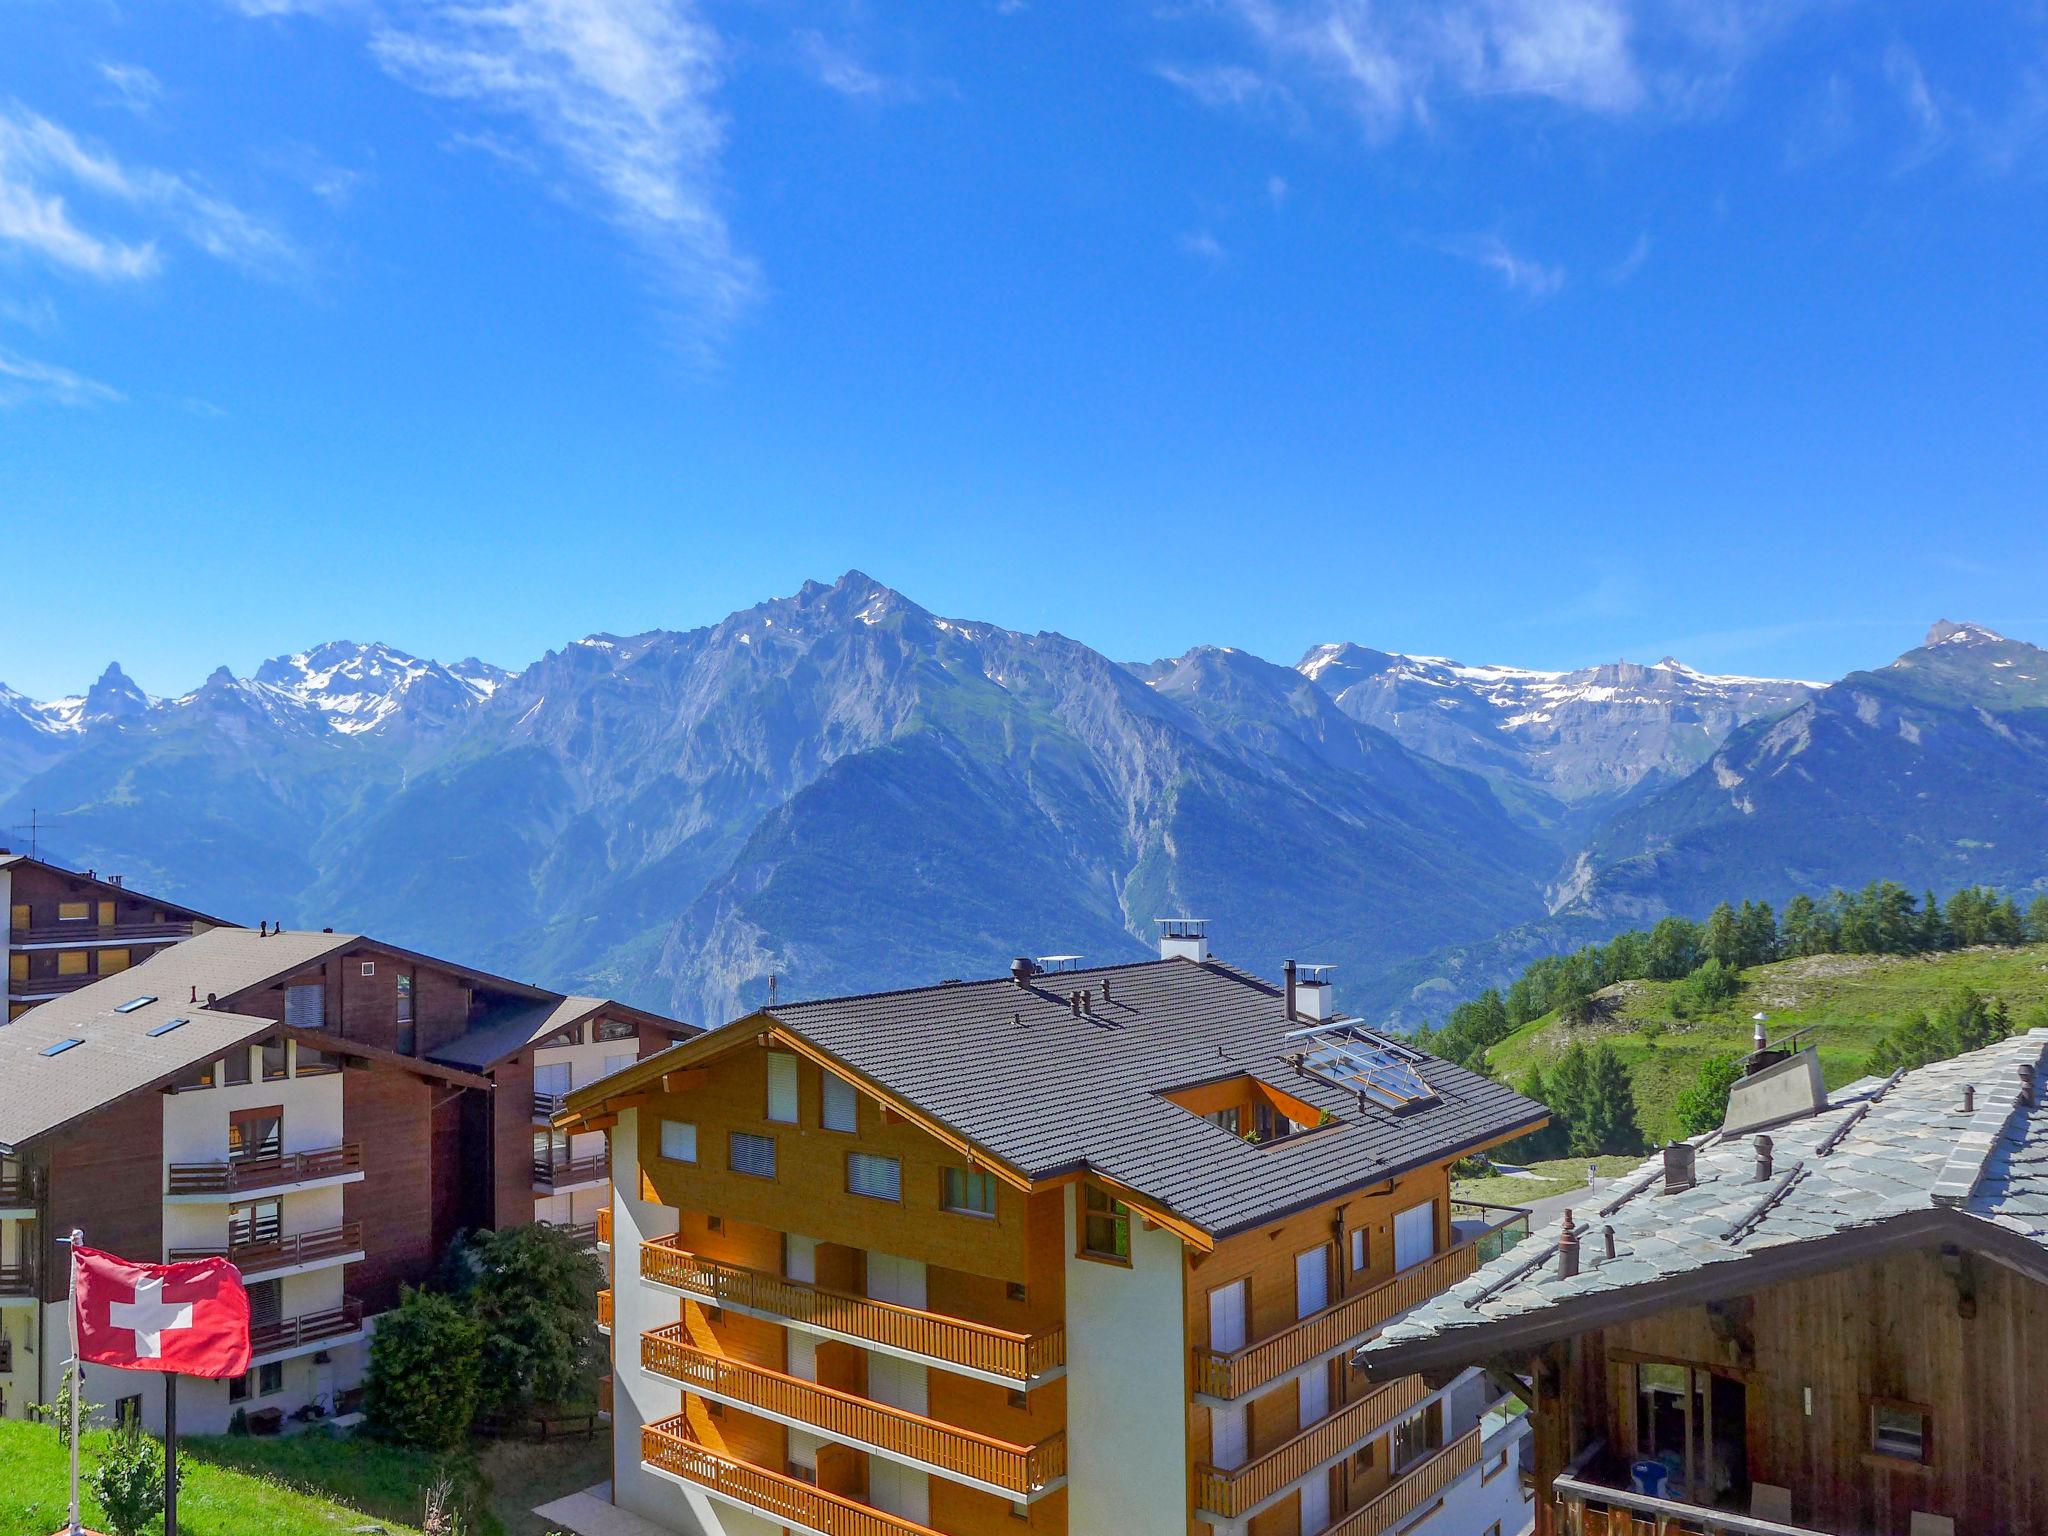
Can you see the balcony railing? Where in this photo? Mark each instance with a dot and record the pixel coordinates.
(1019, 1470)
(17, 1279)
(604, 1310)
(571, 1170)
(240, 1175)
(669, 1447)
(50, 986)
(17, 1190)
(548, 1105)
(1332, 1329)
(1588, 1509)
(258, 1255)
(1017, 1357)
(604, 1226)
(307, 1328)
(1235, 1492)
(1492, 1229)
(1415, 1489)
(100, 933)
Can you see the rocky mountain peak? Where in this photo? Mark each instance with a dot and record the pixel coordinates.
(1945, 633)
(114, 696)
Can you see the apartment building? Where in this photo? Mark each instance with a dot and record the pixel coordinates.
(1821, 1318)
(1070, 1250)
(66, 928)
(326, 1110)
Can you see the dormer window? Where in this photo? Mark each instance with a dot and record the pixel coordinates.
(1105, 1225)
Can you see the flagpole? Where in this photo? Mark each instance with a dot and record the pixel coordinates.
(170, 1453)
(77, 1378)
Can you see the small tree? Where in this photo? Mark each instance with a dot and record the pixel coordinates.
(425, 1362)
(1704, 1106)
(533, 1291)
(59, 1412)
(128, 1481)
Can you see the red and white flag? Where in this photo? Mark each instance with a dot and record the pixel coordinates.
(185, 1319)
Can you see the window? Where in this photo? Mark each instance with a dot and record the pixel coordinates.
(166, 1027)
(70, 962)
(1360, 1256)
(21, 916)
(782, 1088)
(235, 1067)
(273, 1060)
(617, 1029)
(266, 1303)
(17, 966)
(259, 1221)
(113, 961)
(616, 1064)
(128, 1411)
(1899, 1430)
(270, 1378)
(59, 1047)
(305, 1006)
(1227, 1119)
(238, 1389)
(312, 1063)
(408, 1039)
(74, 911)
(842, 1104)
(136, 1004)
(198, 1075)
(679, 1141)
(106, 914)
(1105, 1224)
(878, 1178)
(754, 1155)
(369, 967)
(1414, 1235)
(1416, 1436)
(255, 1133)
(971, 1191)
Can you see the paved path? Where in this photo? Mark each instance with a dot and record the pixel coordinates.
(592, 1513)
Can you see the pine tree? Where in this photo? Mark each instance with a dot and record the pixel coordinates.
(1721, 939)
(1933, 931)
(2037, 920)
(1607, 1122)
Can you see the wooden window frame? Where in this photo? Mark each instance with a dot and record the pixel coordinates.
(1096, 1255)
(945, 1198)
(1883, 1458)
(260, 1112)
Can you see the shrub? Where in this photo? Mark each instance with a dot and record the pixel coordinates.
(59, 1412)
(425, 1364)
(128, 1481)
(1704, 1106)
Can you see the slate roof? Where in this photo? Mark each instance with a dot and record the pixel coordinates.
(1886, 1160)
(512, 1028)
(1014, 1071)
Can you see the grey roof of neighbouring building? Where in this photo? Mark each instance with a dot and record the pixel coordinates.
(1015, 1072)
(512, 1028)
(1887, 1162)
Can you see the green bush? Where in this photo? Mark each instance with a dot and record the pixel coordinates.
(532, 1290)
(1704, 1106)
(128, 1481)
(425, 1366)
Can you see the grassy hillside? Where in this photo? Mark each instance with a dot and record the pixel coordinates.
(1852, 1002)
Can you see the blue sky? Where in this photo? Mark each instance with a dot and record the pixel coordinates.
(1540, 331)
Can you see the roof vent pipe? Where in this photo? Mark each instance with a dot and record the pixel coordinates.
(1288, 972)
(263, 929)
(1763, 1159)
(1568, 1248)
(2027, 1084)
(1969, 1098)
(1678, 1167)
(1105, 989)
(1074, 1003)
(1609, 1230)
(1020, 971)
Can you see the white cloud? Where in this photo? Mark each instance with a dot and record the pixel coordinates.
(1231, 85)
(1203, 246)
(43, 166)
(1632, 263)
(621, 92)
(23, 378)
(135, 87)
(1902, 69)
(1534, 279)
(838, 69)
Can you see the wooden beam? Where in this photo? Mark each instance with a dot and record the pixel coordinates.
(684, 1080)
(599, 1122)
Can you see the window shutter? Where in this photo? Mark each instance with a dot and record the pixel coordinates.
(879, 1178)
(305, 1007)
(842, 1104)
(782, 1088)
(679, 1142)
(752, 1154)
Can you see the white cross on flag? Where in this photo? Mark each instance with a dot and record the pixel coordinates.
(186, 1319)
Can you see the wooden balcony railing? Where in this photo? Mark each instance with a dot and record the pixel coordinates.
(1016, 1357)
(1232, 1493)
(1588, 1509)
(100, 933)
(306, 1328)
(257, 1255)
(1415, 1489)
(17, 1191)
(670, 1447)
(604, 1226)
(1019, 1470)
(571, 1170)
(17, 1279)
(604, 1310)
(1333, 1328)
(548, 1105)
(240, 1175)
(49, 986)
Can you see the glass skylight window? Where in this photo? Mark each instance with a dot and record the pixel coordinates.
(134, 1003)
(166, 1027)
(60, 1047)
(1358, 1059)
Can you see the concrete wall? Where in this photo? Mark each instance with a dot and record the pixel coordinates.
(1127, 1390)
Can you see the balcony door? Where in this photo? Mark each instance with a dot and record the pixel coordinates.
(256, 1134)
(1696, 1423)
(1311, 1281)
(1414, 1235)
(1227, 1306)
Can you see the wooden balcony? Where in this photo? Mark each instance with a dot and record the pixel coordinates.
(18, 1281)
(604, 1226)
(1336, 1327)
(78, 935)
(17, 1192)
(668, 1447)
(604, 1310)
(548, 1105)
(49, 986)
(1415, 1488)
(1241, 1489)
(567, 1172)
(994, 1352)
(256, 1257)
(246, 1175)
(1582, 1508)
(306, 1330)
(1017, 1471)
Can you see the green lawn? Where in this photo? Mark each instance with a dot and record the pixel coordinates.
(214, 1500)
(1556, 1177)
(1852, 1001)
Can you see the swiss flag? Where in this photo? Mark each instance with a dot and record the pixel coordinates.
(184, 1319)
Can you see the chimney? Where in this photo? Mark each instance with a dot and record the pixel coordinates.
(1287, 971)
(1969, 1098)
(195, 991)
(1074, 1003)
(1314, 999)
(1105, 989)
(1183, 938)
(1568, 1248)
(2027, 1084)
(1763, 1159)
(120, 880)
(1020, 971)
(263, 929)
(1678, 1167)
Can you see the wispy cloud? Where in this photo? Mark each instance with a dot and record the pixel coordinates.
(621, 96)
(1632, 263)
(23, 379)
(134, 86)
(1902, 70)
(1203, 246)
(1521, 274)
(1234, 86)
(838, 68)
(43, 166)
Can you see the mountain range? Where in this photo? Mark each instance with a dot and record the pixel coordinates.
(841, 790)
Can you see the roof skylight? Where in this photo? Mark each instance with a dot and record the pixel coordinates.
(60, 1047)
(1364, 1061)
(166, 1027)
(134, 1003)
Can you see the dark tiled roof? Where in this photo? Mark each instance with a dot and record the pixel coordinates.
(1882, 1155)
(1013, 1071)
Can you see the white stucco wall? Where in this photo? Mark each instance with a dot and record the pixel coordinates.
(1472, 1505)
(1127, 1391)
(196, 1122)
